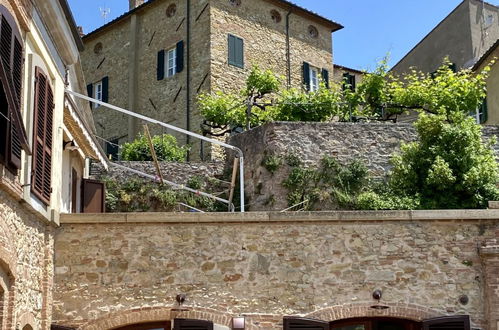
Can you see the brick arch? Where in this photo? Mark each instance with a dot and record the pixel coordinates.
(153, 314)
(27, 321)
(396, 310)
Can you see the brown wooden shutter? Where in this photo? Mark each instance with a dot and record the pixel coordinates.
(188, 324)
(42, 137)
(93, 196)
(457, 322)
(298, 323)
(11, 62)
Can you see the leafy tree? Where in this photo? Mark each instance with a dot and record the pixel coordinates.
(251, 107)
(448, 167)
(165, 146)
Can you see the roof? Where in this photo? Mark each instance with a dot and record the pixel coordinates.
(283, 3)
(72, 24)
(486, 55)
(341, 67)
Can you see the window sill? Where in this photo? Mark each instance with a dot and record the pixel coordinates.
(9, 182)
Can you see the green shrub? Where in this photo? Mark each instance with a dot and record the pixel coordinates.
(165, 146)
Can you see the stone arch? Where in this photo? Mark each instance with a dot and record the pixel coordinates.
(396, 310)
(153, 314)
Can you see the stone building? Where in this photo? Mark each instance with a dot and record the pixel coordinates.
(464, 36)
(159, 56)
(348, 76)
(45, 138)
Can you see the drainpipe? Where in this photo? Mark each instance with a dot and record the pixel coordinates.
(188, 73)
(288, 50)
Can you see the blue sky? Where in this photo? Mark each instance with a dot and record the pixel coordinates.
(373, 28)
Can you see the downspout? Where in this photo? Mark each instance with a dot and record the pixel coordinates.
(288, 50)
(188, 70)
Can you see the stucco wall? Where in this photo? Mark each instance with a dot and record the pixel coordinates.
(271, 264)
(452, 37)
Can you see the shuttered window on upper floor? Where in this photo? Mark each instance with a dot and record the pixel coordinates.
(236, 51)
(170, 62)
(41, 184)
(13, 137)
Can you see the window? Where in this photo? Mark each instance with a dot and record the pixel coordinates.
(482, 113)
(112, 149)
(170, 62)
(348, 81)
(314, 79)
(12, 134)
(236, 51)
(42, 137)
(99, 91)
(171, 67)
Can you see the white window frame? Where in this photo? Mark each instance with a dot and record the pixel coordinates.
(171, 62)
(314, 79)
(98, 92)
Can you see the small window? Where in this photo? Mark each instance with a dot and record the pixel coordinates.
(171, 66)
(98, 48)
(98, 92)
(171, 10)
(313, 32)
(276, 16)
(348, 81)
(314, 79)
(236, 51)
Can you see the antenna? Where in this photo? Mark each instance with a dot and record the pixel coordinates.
(104, 12)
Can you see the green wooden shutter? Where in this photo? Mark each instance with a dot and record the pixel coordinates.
(236, 51)
(160, 70)
(240, 52)
(458, 322)
(179, 56)
(105, 89)
(325, 77)
(90, 93)
(188, 324)
(306, 75)
(298, 323)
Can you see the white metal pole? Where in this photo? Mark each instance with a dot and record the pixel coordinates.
(174, 128)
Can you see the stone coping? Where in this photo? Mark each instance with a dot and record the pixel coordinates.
(282, 217)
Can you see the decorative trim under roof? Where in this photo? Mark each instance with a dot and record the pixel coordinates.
(283, 3)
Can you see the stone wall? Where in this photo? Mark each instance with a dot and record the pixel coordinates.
(126, 267)
(372, 143)
(26, 266)
(176, 172)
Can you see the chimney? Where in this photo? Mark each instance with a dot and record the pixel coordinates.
(80, 31)
(135, 3)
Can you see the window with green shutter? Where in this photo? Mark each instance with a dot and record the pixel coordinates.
(236, 51)
(349, 81)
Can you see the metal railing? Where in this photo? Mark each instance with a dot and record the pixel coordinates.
(238, 151)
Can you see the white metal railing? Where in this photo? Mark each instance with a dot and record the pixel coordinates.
(238, 151)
